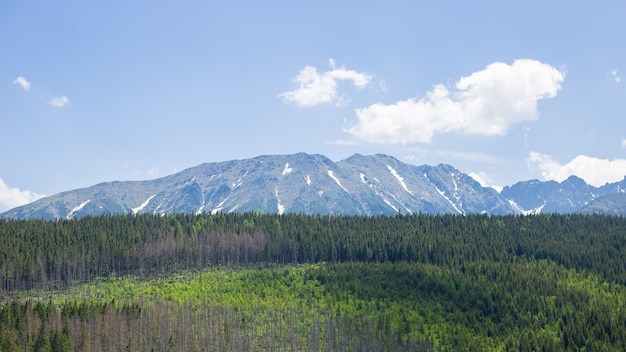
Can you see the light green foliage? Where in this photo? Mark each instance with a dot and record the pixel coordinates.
(487, 306)
(232, 282)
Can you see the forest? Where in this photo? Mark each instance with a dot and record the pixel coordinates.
(295, 282)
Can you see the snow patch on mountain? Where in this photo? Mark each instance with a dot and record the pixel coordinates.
(219, 207)
(536, 210)
(443, 194)
(399, 178)
(287, 169)
(143, 205)
(281, 208)
(399, 202)
(201, 209)
(456, 186)
(332, 175)
(382, 195)
(523, 211)
(389, 203)
(516, 206)
(239, 181)
(77, 208)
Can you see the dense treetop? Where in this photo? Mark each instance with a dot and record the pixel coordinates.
(37, 252)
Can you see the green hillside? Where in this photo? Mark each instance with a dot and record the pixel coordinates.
(255, 282)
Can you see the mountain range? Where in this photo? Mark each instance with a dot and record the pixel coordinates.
(313, 184)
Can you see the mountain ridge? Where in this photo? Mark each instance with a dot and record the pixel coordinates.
(312, 183)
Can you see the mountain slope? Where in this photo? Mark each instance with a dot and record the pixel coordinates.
(298, 183)
(313, 184)
(613, 204)
(531, 197)
(426, 189)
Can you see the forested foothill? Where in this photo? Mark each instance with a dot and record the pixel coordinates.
(294, 282)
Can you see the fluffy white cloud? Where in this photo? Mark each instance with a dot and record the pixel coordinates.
(319, 88)
(594, 171)
(14, 197)
(484, 180)
(486, 102)
(22, 82)
(59, 102)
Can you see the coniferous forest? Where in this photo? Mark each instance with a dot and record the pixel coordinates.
(293, 282)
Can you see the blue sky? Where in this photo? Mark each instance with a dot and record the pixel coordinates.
(131, 90)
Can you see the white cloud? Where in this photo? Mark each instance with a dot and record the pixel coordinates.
(594, 171)
(615, 75)
(484, 180)
(59, 102)
(486, 102)
(624, 143)
(319, 88)
(14, 197)
(22, 82)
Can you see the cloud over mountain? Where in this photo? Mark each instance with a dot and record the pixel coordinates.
(487, 102)
(594, 171)
(14, 197)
